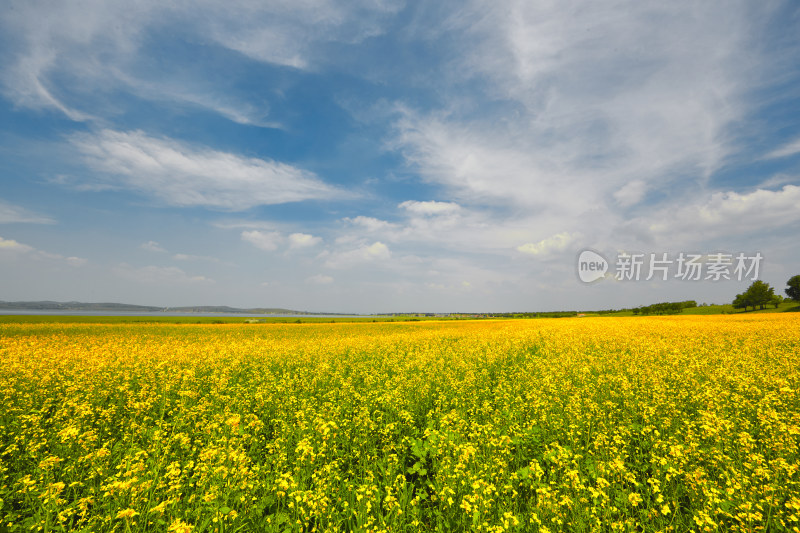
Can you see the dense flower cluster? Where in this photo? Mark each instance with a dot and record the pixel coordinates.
(593, 424)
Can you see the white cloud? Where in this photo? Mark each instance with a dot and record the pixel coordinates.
(484, 166)
(158, 275)
(376, 250)
(372, 253)
(243, 224)
(182, 175)
(554, 243)
(430, 207)
(285, 33)
(370, 224)
(320, 279)
(778, 180)
(10, 245)
(10, 214)
(731, 213)
(15, 249)
(191, 257)
(96, 46)
(272, 240)
(455, 230)
(152, 246)
(303, 240)
(786, 150)
(594, 107)
(265, 240)
(213, 100)
(596, 102)
(630, 193)
(76, 261)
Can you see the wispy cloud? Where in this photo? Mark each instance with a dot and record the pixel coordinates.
(152, 246)
(158, 275)
(192, 257)
(182, 175)
(319, 279)
(94, 47)
(603, 93)
(13, 249)
(10, 245)
(12, 214)
(606, 114)
(786, 150)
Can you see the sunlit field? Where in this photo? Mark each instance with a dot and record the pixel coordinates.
(593, 424)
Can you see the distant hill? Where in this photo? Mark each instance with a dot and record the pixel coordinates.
(117, 307)
(77, 306)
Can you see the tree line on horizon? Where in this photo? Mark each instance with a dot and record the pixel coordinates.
(759, 295)
(664, 308)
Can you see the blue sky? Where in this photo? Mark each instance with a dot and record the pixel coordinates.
(376, 156)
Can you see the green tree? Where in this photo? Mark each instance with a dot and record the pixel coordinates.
(758, 296)
(793, 289)
(776, 300)
(739, 302)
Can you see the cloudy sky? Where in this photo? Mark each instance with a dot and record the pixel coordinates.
(378, 155)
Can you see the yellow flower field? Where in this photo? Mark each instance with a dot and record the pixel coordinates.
(593, 424)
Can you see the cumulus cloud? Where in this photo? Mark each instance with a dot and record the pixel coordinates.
(303, 240)
(555, 243)
(182, 175)
(271, 240)
(732, 212)
(11, 214)
(372, 253)
(370, 223)
(430, 207)
(264, 240)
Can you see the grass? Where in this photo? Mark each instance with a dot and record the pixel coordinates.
(714, 309)
(785, 307)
